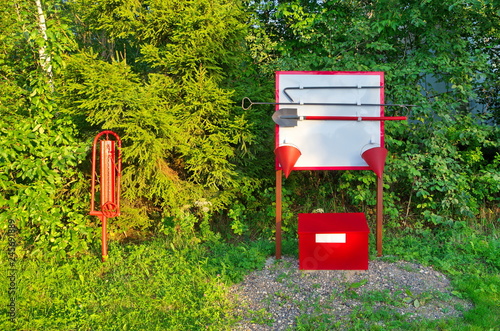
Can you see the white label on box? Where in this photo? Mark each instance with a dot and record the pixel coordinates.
(333, 238)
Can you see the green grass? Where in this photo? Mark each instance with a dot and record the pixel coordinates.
(469, 257)
(156, 286)
(141, 287)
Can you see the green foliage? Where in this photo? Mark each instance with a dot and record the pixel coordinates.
(253, 216)
(38, 171)
(111, 96)
(467, 254)
(39, 179)
(231, 263)
(443, 164)
(168, 76)
(170, 93)
(162, 284)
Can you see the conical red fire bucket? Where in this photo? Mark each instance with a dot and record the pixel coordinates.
(375, 158)
(287, 156)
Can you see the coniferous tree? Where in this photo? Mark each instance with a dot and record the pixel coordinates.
(163, 74)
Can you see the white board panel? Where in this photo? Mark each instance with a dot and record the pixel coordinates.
(330, 144)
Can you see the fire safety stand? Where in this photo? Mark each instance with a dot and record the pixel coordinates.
(109, 181)
(329, 121)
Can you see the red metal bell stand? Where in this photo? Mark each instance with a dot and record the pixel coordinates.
(109, 180)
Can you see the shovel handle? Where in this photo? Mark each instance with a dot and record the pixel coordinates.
(354, 118)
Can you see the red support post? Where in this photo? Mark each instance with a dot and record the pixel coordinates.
(380, 213)
(279, 180)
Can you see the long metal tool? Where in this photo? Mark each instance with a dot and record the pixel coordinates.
(246, 104)
(285, 90)
(287, 117)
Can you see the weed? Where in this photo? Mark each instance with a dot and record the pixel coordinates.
(350, 288)
(261, 316)
(283, 297)
(356, 285)
(384, 296)
(283, 277)
(408, 267)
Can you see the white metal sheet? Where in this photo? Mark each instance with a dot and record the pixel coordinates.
(330, 144)
(331, 238)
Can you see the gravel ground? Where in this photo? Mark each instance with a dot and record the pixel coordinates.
(276, 296)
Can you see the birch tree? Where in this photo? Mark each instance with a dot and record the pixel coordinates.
(38, 150)
(45, 60)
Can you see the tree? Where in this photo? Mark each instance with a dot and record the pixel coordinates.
(438, 55)
(38, 150)
(163, 74)
(42, 51)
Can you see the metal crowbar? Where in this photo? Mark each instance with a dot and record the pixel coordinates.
(246, 104)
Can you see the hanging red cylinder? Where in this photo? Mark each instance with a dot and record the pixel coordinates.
(110, 172)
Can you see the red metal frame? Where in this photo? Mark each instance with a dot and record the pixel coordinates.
(279, 169)
(110, 173)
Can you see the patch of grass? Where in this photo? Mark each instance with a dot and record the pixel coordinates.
(466, 255)
(484, 291)
(470, 258)
(232, 263)
(149, 286)
(156, 286)
(383, 296)
(320, 322)
(367, 317)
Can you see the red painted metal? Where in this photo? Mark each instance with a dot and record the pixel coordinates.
(287, 156)
(318, 254)
(110, 172)
(354, 118)
(375, 158)
(278, 88)
(109, 181)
